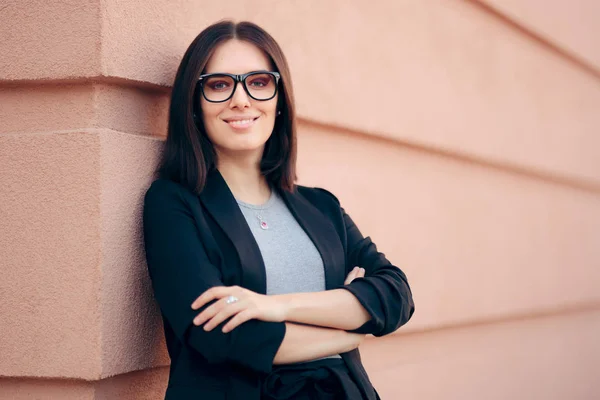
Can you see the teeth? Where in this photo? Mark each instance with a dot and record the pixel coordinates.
(241, 122)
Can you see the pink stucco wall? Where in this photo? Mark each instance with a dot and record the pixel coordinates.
(472, 157)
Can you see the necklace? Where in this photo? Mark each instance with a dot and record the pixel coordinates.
(261, 221)
(258, 210)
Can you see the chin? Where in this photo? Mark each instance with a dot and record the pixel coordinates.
(242, 147)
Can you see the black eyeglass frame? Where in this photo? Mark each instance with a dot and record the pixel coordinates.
(239, 79)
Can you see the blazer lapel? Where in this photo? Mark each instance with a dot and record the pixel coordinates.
(220, 203)
(323, 235)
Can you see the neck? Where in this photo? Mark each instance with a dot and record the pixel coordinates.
(244, 178)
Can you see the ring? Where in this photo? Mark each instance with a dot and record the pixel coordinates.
(231, 300)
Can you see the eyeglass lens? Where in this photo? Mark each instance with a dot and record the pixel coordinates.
(258, 86)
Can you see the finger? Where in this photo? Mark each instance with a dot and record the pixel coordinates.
(225, 313)
(361, 273)
(216, 292)
(239, 319)
(208, 313)
(351, 276)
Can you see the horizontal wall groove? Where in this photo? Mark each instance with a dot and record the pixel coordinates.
(88, 130)
(84, 131)
(77, 381)
(542, 41)
(563, 310)
(86, 80)
(567, 181)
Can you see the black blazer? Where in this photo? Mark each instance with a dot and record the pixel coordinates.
(196, 242)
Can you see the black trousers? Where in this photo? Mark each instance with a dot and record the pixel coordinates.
(326, 379)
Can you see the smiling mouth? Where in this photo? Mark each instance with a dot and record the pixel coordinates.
(241, 123)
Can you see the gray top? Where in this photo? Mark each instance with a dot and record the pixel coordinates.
(292, 262)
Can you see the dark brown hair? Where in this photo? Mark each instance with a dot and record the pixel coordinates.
(188, 154)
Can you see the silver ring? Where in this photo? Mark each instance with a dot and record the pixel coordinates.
(231, 300)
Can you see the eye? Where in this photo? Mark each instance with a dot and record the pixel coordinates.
(260, 81)
(218, 84)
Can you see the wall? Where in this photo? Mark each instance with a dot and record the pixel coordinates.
(463, 136)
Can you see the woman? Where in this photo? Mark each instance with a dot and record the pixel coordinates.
(266, 288)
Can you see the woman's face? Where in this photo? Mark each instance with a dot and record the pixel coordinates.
(240, 125)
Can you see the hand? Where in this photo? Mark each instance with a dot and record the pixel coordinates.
(249, 305)
(356, 272)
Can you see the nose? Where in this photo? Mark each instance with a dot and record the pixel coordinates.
(240, 98)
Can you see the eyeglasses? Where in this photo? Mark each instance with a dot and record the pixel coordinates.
(220, 87)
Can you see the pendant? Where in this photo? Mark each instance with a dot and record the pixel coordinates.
(263, 224)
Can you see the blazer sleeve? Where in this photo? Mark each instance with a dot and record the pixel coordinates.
(384, 291)
(180, 271)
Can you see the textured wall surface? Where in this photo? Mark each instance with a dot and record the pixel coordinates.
(569, 26)
(463, 136)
